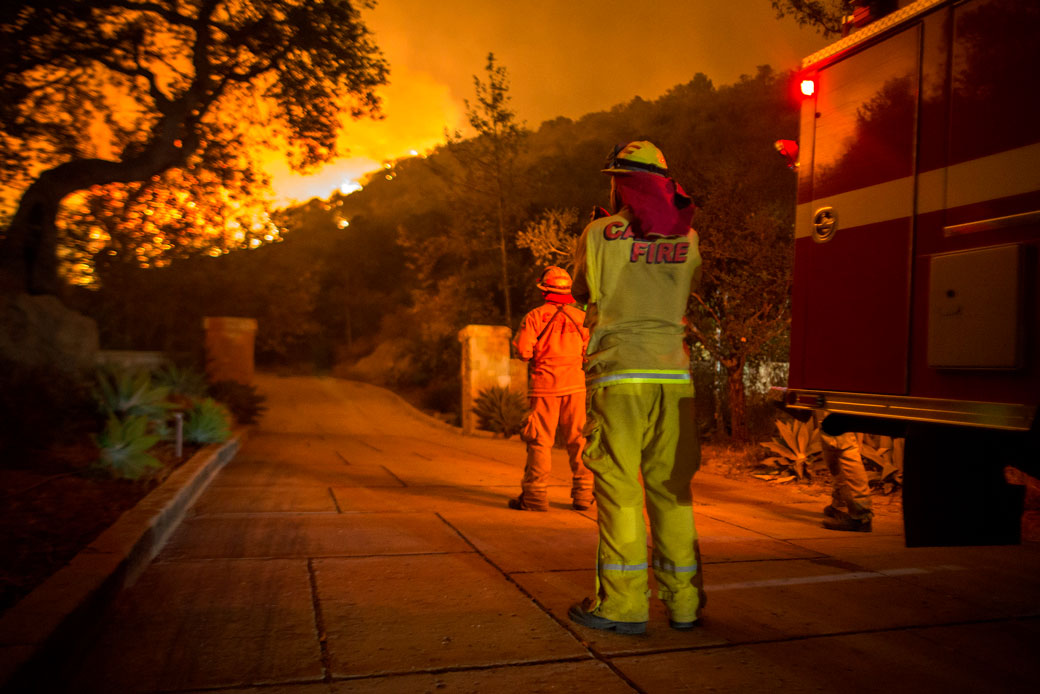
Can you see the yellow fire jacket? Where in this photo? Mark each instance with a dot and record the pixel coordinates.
(637, 290)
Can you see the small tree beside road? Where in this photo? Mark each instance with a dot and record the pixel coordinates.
(740, 314)
(489, 160)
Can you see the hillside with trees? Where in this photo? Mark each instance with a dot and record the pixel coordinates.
(377, 283)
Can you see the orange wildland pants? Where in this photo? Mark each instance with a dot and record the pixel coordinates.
(548, 412)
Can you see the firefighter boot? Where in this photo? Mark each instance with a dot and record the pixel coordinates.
(580, 614)
(840, 520)
(526, 502)
(582, 497)
(580, 504)
(859, 525)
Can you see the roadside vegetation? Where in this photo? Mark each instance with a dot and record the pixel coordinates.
(67, 477)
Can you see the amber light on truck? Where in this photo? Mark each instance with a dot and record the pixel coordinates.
(788, 149)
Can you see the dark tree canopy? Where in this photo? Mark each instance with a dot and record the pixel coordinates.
(825, 16)
(830, 17)
(96, 92)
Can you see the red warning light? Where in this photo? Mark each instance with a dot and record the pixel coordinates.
(788, 149)
(808, 87)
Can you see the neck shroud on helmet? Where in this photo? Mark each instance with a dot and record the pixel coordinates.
(640, 182)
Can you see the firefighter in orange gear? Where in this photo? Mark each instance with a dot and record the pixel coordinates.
(552, 339)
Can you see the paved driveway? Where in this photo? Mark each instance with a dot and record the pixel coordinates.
(354, 545)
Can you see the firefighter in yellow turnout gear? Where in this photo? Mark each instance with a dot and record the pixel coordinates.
(636, 270)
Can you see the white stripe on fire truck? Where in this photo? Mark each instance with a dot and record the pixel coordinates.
(870, 205)
(1013, 172)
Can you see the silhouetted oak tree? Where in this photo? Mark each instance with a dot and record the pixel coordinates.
(94, 92)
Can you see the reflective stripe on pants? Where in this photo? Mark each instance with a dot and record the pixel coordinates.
(646, 428)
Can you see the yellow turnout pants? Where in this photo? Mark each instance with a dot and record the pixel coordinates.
(648, 429)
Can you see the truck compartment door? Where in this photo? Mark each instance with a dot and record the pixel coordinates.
(854, 229)
(975, 301)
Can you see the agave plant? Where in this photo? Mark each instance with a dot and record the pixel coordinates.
(130, 392)
(501, 410)
(244, 402)
(798, 452)
(182, 381)
(207, 422)
(884, 472)
(124, 444)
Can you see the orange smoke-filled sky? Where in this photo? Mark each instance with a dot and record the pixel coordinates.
(563, 57)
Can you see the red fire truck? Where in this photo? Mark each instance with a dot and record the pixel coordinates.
(916, 301)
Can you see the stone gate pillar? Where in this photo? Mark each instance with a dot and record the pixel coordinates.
(518, 376)
(485, 363)
(229, 348)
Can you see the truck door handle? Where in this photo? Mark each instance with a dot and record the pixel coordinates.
(825, 224)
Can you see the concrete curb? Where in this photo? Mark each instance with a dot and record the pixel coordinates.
(49, 619)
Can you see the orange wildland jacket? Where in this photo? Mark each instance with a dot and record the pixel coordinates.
(555, 358)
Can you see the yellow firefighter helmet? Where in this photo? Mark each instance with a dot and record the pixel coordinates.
(636, 156)
(555, 279)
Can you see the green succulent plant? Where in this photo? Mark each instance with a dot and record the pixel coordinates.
(501, 411)
(124, 444)
(207, 422)
(883, 472)
(130, 392)
(182, 381)
(798, 452)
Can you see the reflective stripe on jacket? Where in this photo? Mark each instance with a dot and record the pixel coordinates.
(556, 356)
(637, 291)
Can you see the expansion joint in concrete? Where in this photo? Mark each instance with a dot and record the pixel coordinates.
(391, 473)
(564, 624)
(335, 501)
(319, 624)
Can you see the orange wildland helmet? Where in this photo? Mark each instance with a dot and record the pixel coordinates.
(556, 280)
(636, 156)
